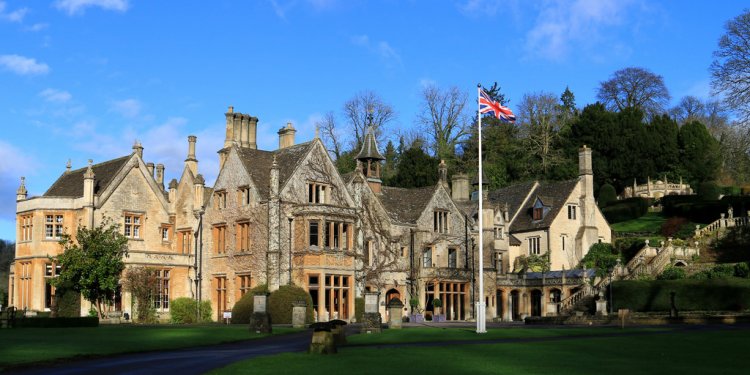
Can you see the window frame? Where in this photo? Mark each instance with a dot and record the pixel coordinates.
(535, 245)
(427, 257)
(133, 230)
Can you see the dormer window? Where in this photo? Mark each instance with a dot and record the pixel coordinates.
(538, 213)
(539, 210)
(318, 192)
(440, 221)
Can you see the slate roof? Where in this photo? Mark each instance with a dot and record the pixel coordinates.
(370, 147)
(552, 194)
(258, 164)
(512, 195)
(70, 184)
(406, 205)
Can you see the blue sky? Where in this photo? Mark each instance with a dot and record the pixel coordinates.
(84, 79)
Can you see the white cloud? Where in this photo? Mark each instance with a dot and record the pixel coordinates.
(281, 9)
(37, 27)
(55, 96)
(14, 16)
(382, 48)
(562, 26)
(14, 163)
(22, 65)
(128, 108)
(79, 6)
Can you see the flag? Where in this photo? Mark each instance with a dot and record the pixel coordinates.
(487, 105)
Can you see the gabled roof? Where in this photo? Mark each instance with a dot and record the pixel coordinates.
(70, 184)
(406, 205)
(553, 195)
(513, 195)
(258, 164)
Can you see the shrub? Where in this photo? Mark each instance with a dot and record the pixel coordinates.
(359, 308)
(281, 302)
(601, 257)
(742, 270)
(629, 247)
(607, 195)
(691, 295)
(672, 273)
(730, 190)
(183, 311)
(67, 303)
(89, 321)
(722, 271)
(626, 209)
(708, 191)
(243, 308)
(437, 303)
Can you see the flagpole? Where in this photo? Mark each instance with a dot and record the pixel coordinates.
(480, 307)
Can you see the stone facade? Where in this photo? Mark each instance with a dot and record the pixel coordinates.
(656, 189)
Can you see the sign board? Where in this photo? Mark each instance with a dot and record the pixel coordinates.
(259, 303)
(371, 302)
(227, 315)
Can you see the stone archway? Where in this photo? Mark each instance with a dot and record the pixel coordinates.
(515, 304)
(536, 302)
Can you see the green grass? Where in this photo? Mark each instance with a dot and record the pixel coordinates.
(26, 345)
(650, 222)
(424, 334)
(673, 352)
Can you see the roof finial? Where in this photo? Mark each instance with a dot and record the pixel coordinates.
(370, 111)
(67, 166)
(317, 131)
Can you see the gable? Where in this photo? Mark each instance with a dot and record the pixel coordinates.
(315, 166)
(70, 184)
(134, 167)
(234, 174)
(551, 195)
(132, 190)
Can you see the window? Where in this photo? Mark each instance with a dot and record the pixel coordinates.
(24, 290)
(26, 227)
(243, 196)
(53, 227)
(243, 285)
(404, 251)
(571, 212)
(534, 246)
(220, 199)
(220, 282)
(220, 239)
(538, 213)
(313, 233)
(317, 192)
(132, 225)
(184, 244)
(499, 233)
(50, 271)
(368, 250)
(161, 292)
(337, 235)
(440, 221)
(452, 258)
(242, 237)
(563, 239)
(166, 233)
(499, 262)
(427, 257)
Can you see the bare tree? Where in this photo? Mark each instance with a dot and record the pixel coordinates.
(357, 109)
(539, 116)
(730, 69)
(331, 136)
(688, 109)
(443, 118)
(635, 88)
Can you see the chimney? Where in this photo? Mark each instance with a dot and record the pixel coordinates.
(198, 186)
(286, 136)
(252, 132)
(160, 175)
(21, 193)
(585, 172)
(172, 190)
(274, 178)
(230, 127)
(244, 129)
(460, 188)
(150, 167)
(88, 193)
(138, 149)
(191, 162)
(443, 174)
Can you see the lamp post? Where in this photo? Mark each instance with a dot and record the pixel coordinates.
(290, 217)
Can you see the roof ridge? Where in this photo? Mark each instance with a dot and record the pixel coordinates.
(82, 169)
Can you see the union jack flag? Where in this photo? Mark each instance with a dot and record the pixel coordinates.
(487, 105)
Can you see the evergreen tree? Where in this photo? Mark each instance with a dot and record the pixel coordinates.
(699, 153)
(415, 169)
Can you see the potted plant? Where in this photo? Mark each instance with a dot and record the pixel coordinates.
(416, 313)
(437, 304)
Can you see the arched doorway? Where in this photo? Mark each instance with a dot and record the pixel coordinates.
(536, 302)
(391, 294)
(515, 302)
(555, 296)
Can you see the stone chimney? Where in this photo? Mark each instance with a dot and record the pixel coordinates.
(198, 186)
(150, 167)
(230, 127)
(21, 193)
(244, 130)
(443, 175)
(460, 188)
(172, 190)
(138, 149)
(587, 203)
(286, 136)
(88, 192)
(252, 133)
(191, 162)
(160, 175)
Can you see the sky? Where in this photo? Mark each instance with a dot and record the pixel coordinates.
(85, 79)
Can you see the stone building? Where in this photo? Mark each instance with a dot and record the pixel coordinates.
(286, 216)
(159, 223)
(656, 189)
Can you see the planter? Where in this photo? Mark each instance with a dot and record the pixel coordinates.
(437, 318)
(416, 318)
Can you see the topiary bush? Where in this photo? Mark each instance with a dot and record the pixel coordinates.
(243, 308)
(359, 308)
(607, 195)
(672, 273)
(281, 302)
(184, 311)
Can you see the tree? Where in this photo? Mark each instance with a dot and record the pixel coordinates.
(699, 153)
(92, 263)
(539, 116)
(635, 88)
(140, 282)
(442, 117)
(607, 195)
(730, 70)
(688, 109)
(415, 169)
(330, 134)
(356, 112)
(602, 257)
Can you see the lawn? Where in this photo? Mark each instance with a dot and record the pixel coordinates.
(651, 222)
(693, 351)
(25, 345)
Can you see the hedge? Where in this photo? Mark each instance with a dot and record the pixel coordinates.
(281, 302)
(57, 322)
(359, 309)
(183, 310)
(730, 294)
(243, 308)
(67, 303)
(626, 209)
(699, 211)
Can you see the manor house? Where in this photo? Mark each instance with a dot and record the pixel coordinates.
(287, 216)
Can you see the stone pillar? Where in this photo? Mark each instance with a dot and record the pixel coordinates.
(252, 132)
(260, 321)
(172, 190)
(274, 222)
(395, 313)
(191, 162)
(160, 175)
(460, 187)
(150, 169)
(244, 130)
(138, 149)
(299, 312)
(21, 193)
(88, 193)
(198, 187)
(372, 318)
(230, 127)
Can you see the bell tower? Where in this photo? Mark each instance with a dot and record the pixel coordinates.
(369, 157)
